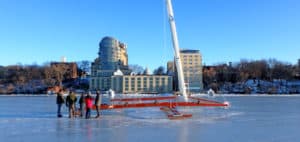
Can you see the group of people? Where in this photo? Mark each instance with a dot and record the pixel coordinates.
(85, 104)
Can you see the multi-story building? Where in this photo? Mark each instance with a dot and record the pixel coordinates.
(142, 83)
(191, 61)
(112, 56)
(298, 70)
(110, 71)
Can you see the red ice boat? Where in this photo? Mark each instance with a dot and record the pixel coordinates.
(168, 104)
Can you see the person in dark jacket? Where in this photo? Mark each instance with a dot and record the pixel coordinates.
(59, 101)
(98, 103)
(81, 104)
(70, 102)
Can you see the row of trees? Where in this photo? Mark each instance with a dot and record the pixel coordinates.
(47, 76)
(239, 72)
(245, 69)
(25, 77)
(143, 71)
(20, 77)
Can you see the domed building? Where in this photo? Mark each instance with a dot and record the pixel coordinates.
(110, 71)
(112, 56)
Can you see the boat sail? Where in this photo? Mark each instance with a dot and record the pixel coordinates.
(181, 85)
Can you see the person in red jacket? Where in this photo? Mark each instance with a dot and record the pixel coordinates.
(88, 105)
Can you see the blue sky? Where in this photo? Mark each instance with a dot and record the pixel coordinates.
(39, 31)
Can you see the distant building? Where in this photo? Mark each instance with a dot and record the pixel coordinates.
(142, 84)
(110, 71)
(170, 68)
(70, 68)
(112, 56)
(298, 70)
(230, 64)
(191, 61)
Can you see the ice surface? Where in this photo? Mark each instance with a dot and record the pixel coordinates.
(250, 119)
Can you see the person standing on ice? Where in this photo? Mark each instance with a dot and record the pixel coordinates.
(88, 105)
(59, 101)
(98, 103)
(70, 102)
(81, 104)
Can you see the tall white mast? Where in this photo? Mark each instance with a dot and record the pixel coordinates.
(176, 49)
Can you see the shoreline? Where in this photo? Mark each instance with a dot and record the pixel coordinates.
(201, 95)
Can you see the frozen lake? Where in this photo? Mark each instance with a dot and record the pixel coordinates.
(249, 119)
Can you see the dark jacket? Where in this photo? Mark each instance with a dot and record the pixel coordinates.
(97, 99)
(81, 100)
(60, 99)
(71, 99)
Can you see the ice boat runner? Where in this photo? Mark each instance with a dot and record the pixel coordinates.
(167, 104)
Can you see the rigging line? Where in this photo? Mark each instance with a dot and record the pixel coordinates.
(164, 22)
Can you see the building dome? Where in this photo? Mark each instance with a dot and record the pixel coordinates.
(107, 38)
(112, 54)
(107, 42)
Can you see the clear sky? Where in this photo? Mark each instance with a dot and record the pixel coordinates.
(39, 31)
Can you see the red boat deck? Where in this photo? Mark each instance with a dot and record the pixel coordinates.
(154, 102)
(167, 104)
(143, 99)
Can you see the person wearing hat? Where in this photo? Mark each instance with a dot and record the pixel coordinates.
(70, 102)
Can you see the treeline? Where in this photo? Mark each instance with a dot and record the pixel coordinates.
(139, 70)
(35, 78)
(244, 70)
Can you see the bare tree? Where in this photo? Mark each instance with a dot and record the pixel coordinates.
(84, 66)
(49, 79)
(136, 68)
(159, 71)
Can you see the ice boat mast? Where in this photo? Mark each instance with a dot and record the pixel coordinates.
(182, 88)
